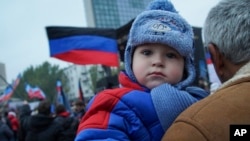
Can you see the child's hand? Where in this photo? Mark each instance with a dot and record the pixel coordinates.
(169, 101)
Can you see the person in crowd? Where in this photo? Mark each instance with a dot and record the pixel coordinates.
(6, 134)
(158, 65)
(68, 123)
(14, 123)
(23, 114)
(41, 126)
(6, 119)
(79, 109)
(226, 33)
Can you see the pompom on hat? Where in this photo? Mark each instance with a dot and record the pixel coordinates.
(161, 23)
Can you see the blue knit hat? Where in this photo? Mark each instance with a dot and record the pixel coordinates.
(161, 23)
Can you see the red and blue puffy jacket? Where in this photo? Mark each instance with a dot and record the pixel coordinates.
(126, 113)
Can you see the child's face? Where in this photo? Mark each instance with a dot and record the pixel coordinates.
(155, 64)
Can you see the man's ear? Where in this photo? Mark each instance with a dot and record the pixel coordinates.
(217, 59)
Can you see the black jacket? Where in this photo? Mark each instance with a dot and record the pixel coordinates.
(38, 127)
(6, 133)
(70, 125)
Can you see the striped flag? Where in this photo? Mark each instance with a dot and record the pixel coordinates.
(61, 97)
(7, 93)
(81, 94)
(35, 92)
(9, 90)
(84, 45)
(59, 92)
(213, 78)
(17, 81)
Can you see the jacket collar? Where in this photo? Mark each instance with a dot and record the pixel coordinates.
(242, 73)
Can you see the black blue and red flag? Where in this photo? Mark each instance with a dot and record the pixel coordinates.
(83, 45)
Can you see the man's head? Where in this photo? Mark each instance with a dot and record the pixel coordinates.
(161, 24)
(60, 108)
(226, 33)
(44, 107)
(79, 105)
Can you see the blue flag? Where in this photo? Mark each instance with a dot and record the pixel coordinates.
(61, 97)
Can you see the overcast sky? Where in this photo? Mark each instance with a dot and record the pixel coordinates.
(23, 40)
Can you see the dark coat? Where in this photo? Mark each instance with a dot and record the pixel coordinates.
(69, 124)
(37, 127)
(6, 133)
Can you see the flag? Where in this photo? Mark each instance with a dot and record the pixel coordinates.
(81, 94)
(17, 81)
(213, 78)
(122, 38)
(83, 45)
(59, 92)
(7, 93)
(35, 92)
(9, 90)
(61, 97)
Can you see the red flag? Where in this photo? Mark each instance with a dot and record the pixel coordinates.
(35, 92)
(7, 93)
(17, 81)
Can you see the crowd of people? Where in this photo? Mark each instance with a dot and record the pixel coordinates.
(156, 99)
(41, 124)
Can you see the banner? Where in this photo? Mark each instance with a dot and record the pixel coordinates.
(81, 94)
(7, 93)
(9, 90)
(83, 45)
(35, 92)
(61, 97)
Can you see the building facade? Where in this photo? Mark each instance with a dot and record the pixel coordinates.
(78, 75)
(3, 82)
(112, 13)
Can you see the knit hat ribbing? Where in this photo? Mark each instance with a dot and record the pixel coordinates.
(161, 23)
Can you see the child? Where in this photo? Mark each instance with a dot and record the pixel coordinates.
(158, 60)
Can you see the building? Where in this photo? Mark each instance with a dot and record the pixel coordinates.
(112, 13)
(78, 75)
(3, 82)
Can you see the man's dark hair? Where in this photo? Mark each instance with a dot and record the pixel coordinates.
(44, 107)
(60, 108)
(79, 103)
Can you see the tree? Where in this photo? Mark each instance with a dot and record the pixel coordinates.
(43, 76)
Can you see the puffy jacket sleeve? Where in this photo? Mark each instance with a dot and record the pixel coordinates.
(109, 118)
(169, 101)
(120, 114)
